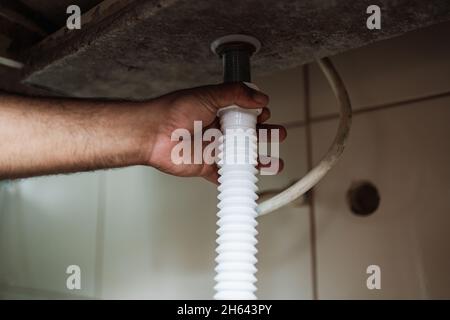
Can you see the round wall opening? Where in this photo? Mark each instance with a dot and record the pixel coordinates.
(363, 198)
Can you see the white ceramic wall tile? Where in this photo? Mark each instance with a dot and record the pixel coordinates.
(47, 224)
(159, 236)
(405, 153)
(284, 248)
(285, 89)
(404, 67)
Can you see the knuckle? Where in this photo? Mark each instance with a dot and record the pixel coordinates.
(240, 90)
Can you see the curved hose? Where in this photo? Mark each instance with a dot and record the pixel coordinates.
(334, 152)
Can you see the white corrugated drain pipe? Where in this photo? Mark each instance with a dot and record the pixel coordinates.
(238, 210)
(237, 207)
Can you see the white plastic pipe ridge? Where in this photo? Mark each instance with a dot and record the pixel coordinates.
(236, 251)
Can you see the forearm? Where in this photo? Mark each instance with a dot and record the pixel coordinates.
(41, 136)
(47, 136)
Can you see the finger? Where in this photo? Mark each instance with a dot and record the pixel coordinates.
(282, 132)
(264, 116)
(214, 178)
(227, 94)
(212, 175)
(215, 124)
(271, 165)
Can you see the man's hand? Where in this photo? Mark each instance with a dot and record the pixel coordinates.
(180, 109)
(48, 136)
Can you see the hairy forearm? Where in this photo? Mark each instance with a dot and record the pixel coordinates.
(47, 136)
(41, 136)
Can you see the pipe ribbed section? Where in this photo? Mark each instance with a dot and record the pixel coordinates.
(236, 250)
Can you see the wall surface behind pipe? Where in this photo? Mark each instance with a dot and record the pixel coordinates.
(137, 233)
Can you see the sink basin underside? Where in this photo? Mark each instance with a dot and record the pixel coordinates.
(141, 49)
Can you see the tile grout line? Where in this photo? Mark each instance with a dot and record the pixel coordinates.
(368, 109)
(310, 193)
(100, 236)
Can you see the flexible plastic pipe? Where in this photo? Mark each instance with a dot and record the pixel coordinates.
(334, 152)
(236, 251)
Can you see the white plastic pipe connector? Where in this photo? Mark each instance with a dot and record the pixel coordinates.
(236, 251)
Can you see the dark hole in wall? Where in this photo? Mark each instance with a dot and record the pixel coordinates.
(363, 198)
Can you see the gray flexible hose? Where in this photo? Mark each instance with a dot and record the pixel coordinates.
(334, 152)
